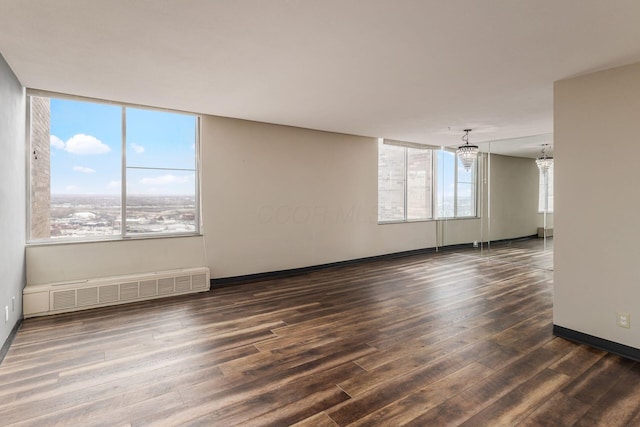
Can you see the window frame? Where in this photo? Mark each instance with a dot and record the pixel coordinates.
(123, 234)
(457, 166)
(404, 190)
(406, 185)
(434, 191)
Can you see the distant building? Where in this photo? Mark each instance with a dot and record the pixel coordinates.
(40, 197)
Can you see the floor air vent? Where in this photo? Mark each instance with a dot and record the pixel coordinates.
(62, 297)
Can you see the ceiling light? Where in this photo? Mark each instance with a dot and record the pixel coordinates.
(467, 153)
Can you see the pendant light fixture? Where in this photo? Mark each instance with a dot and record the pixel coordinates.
(467, 153)
(544, 161)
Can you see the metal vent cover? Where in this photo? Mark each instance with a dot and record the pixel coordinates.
(64, 299)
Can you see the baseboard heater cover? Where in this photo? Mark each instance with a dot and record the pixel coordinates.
(62, 297)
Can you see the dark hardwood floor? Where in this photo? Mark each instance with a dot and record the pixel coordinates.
(449, 338)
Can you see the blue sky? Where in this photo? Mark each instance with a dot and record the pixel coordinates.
(86, 150)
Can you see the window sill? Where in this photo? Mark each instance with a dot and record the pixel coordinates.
(109, 239)
(427, 220)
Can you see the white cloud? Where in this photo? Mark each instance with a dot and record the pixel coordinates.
(164, 180)
(72, 188)
(56, 142)
(139, 149)
(85, 145)
(83, 169)
(114, 184)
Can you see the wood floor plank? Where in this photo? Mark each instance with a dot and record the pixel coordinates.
(578, 361)
(403, 410)
(620, 406)
(559, 410)
(287, 412)
(484, 392)
(394, 388)
(235, 404)
(521, 401)
(117, 410)
(596, 381)
(459, 348)
(40, 403)
(318, 420)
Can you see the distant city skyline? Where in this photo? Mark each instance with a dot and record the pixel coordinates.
(79, 216)
(86, 150)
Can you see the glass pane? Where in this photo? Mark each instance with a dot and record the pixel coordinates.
(161, 201)
(466, 199)
(464, 175)
(466, 191)
(549, 189)
(391, 182)
(160, 139)
(418, 184)
(85, 158)
(445, 184)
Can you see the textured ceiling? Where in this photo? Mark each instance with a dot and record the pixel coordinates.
(419, 71)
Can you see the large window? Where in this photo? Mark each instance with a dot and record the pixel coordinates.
(404, 183)
(417, 183)
(104, 170)
(455, 187)
(546, 188)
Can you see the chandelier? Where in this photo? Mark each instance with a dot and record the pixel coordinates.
(467, 153)
(544, 161)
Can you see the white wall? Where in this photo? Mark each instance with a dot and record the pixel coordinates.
(460, 231)
(12, 197)
(75, 261)
(597, 203)
(280, 197)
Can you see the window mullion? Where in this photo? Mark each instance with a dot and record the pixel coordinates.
(455, 187)
(123, 187)
(426, 188)
(406, 177)
(434, 157)
(198, 213)
(475, 187)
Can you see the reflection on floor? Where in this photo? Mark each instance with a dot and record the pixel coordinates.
(532, 252)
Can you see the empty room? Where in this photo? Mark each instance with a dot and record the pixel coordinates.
(319, 213)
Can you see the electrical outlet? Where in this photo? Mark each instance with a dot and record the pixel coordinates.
(624, 320)
(6, 313)
(13, 304)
